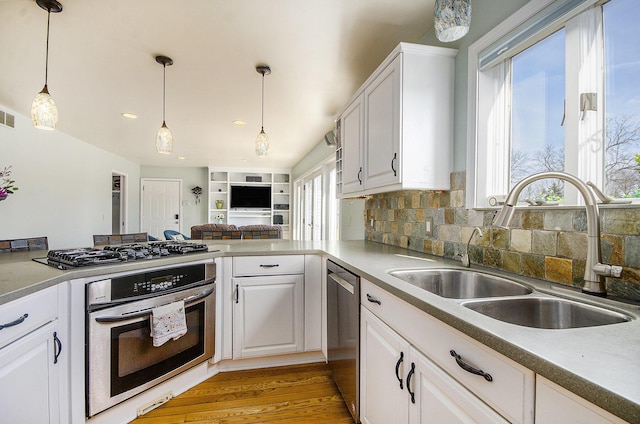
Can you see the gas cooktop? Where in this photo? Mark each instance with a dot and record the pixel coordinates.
(92, 256)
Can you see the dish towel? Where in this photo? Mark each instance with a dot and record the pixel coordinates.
(168, 322)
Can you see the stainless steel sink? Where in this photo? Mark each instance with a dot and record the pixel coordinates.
(460, 283)
(547, 313)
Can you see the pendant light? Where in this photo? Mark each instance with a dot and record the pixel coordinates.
(452, 19)
(262, 141)
(44, 112)
(164, 138)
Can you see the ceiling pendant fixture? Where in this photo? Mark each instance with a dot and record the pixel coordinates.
(452, 19)
(44, 112)
(262, 141)
(164, 138)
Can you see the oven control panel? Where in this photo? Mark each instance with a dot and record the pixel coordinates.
(146, 284)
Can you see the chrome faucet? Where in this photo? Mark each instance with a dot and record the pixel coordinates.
(594, 270)
(466, 262)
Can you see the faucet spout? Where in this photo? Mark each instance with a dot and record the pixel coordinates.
(466, 261)
(593, 281)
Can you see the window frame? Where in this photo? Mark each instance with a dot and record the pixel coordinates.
(489, 98)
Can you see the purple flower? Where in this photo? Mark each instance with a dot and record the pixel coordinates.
(3, 193)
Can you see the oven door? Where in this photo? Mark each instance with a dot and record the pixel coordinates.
(122, 360)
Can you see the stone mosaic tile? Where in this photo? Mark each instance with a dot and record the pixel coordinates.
(476, 255)
(558, 220)
(572, 245)
(449, 233)
(580, 220)
(577, 269)
(492, 258)
(457, 198)
(620, 221)
(533, 265)
(521, 240)
(499, 238)
(558, 270)
(612, 247)
(545, 242)
(532, 220)
(512, 262)
(449, 216)
(632, 251)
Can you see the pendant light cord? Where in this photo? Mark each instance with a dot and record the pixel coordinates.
(46, 66)
(262, 117)
(164, 91)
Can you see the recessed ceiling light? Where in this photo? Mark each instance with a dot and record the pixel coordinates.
(130, 115)
(239, 122)
(181, 157)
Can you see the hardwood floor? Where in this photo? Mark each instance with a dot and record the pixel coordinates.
(292, 394)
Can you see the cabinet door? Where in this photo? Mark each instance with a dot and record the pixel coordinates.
(438, 398)
(383, 358)
(268, 315)
(29, 379)
(352, 131)
(382, 128)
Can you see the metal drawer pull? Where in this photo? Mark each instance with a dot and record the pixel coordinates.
(237, 293)
(16, 322)
(413, 394)
(373, 299)
(469, 368)
(395, 171)
(270, 266)
(398, 368)
(360, 175)
(58, 347)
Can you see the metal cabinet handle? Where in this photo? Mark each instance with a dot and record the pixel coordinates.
(237, 293)
(16, 322)
(270, 266)
(411, 372)
(360, 175)
(395, 172)
(469, 368)
(57, 350)
(398, 368)
(373, 299)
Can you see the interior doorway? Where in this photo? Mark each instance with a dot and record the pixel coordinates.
(118, 203)
(160, 208)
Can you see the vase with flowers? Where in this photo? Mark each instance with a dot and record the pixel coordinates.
(220, 218)
(6, 183)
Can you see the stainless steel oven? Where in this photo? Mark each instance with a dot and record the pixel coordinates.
(121, 358)
(343, 333)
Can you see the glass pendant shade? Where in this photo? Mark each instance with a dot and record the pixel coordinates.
(262, 144)
(452, 19)
(164, 140)
(44, 112)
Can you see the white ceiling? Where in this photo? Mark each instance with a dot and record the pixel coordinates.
(101, 64)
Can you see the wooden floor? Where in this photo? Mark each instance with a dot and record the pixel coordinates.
(292, 394)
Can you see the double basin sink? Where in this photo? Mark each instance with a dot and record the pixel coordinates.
(507, 300)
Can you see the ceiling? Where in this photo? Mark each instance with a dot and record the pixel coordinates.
(101, 64)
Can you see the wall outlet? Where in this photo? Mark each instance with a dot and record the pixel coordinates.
(428, 226)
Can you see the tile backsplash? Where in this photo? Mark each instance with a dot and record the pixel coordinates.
(547, 243)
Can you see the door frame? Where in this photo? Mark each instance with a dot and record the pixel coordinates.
(181, 213)
(124, 200)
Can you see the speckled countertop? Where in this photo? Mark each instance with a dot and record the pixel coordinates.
(600, 364)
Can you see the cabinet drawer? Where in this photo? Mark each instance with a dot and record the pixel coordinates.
(268, 265)
(511, 391)
(40, 308)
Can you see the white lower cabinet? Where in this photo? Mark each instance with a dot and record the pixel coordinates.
(555, 404)
(268, 315)
(399, 384)
(454, 377)
(29, 378)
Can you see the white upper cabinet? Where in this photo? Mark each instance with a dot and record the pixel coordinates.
(397, 131)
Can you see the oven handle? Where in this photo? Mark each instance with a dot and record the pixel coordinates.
(188, 300)
(344, 283)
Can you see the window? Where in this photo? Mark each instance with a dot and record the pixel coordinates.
(317, 213)
(556, 90)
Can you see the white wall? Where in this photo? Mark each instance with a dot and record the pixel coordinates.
(64, 186)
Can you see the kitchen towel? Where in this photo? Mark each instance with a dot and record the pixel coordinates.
(168, 322)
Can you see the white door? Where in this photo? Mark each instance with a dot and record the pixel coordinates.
(268, 315)
(29, 379)
(160, 208)
(383, 368)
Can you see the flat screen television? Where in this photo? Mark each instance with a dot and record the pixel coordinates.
(250, 197)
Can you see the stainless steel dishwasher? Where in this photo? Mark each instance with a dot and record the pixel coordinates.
(343, 333)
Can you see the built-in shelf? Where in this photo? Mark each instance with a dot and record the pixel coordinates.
(220, 182)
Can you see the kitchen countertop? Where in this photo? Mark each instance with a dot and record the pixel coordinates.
(600, 364)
